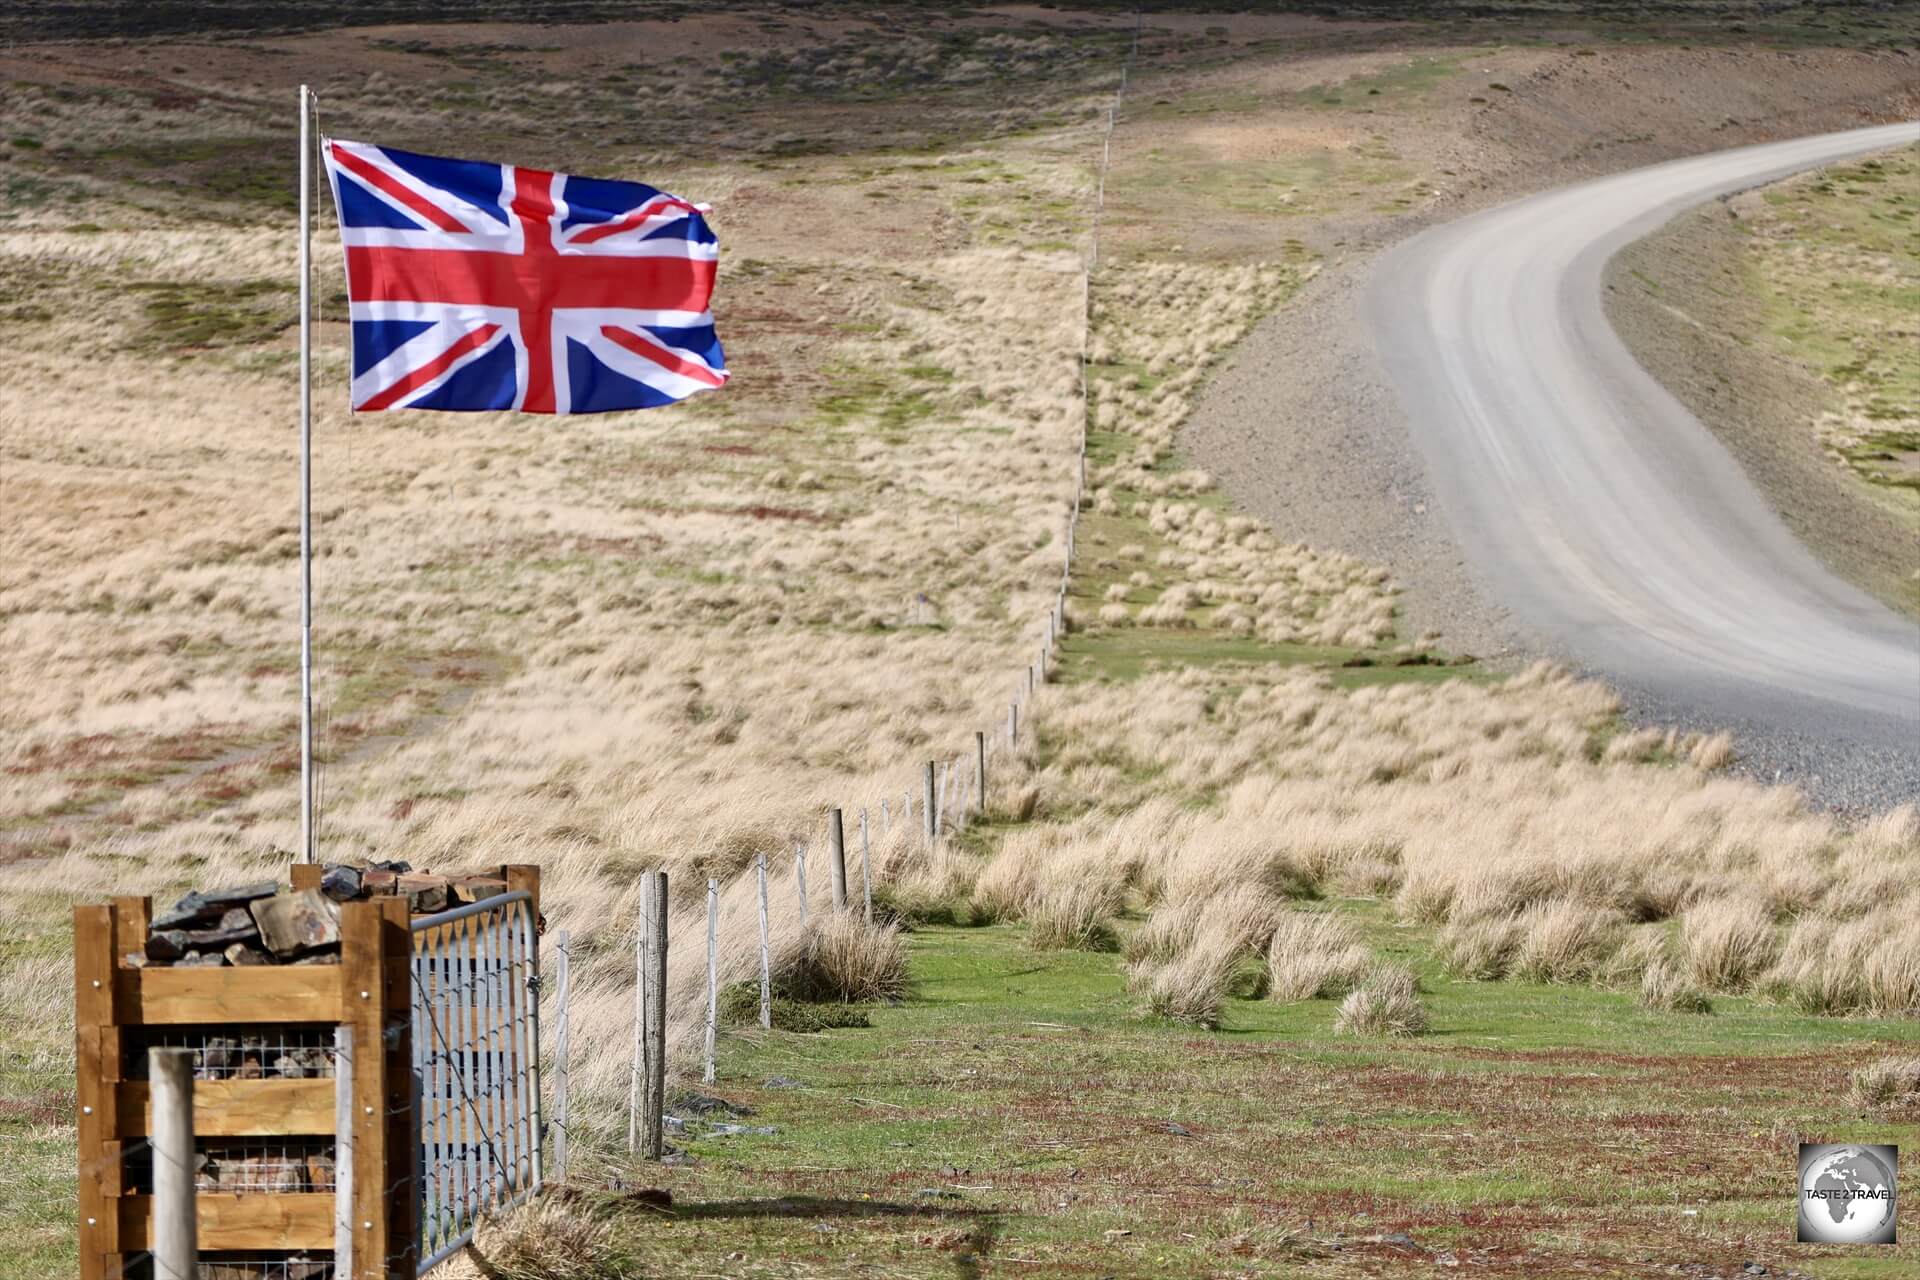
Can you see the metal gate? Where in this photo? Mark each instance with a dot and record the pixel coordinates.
(476, 1064)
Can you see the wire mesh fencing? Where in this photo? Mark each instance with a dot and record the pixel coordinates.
(476, 1061)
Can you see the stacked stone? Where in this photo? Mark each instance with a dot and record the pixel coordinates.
(278, 1172)
(265, 924)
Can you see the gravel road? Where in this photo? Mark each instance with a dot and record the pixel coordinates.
(1591, 505)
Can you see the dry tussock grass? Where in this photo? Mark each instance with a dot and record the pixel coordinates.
(1386, 1003)
(1503, 820)
(1314, 955)
(598, 644)
(1729, 942)
(552, 1237)
(1890, 1082)
(851, 961)
(1667, 987)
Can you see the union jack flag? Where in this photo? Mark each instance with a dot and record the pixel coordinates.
(477, 286)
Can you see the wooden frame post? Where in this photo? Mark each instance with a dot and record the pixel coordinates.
(376, 988)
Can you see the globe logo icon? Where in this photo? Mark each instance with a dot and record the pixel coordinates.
(1847, 1193)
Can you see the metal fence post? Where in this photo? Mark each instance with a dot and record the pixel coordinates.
(713, 971)
(343, 1067)
(562, 1046)
(766, 957)
(176, 1255)
(866, 868)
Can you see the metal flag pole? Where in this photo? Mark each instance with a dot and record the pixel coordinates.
(306, 479)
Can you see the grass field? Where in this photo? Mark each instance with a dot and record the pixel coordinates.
(1034, 1125)
(1833, 257)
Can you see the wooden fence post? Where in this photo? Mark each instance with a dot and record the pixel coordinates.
(653, 1084)
(1013, 723)
(866, 868)
(766, 956)
(837, 857)
(176, 1255)
(800, 876)
(980, 773)
(927, 819)
(639, 1011)
(713, 971)
(376, 951)
(886, 818)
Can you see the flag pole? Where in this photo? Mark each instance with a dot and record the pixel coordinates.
(306, 479)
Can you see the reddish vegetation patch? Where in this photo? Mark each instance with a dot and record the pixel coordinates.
(775, 513)
(736, 450)
(74, 753)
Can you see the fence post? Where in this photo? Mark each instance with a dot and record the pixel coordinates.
(1013, 723)
(886, 818)
(376, 954)
(927, 815)
(653, 1100)
(1031, 680)
(639, 1011)
(713, 971)
(176, 1255)
(800, 876)
(837, 858)
(562, 1046)
(980, 772)
(343, 1064)
(766, 958)
(866, 868)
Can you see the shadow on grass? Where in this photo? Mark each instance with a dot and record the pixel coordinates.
(986, 1220)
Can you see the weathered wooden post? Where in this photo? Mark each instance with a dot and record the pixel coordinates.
(837, 858)
(800, 876)
(980, 772)
(1013, 723)
(929, 823)
(176, 1253)
(766, 954)
(640, 1014)
(653, 1084)
(713, 972)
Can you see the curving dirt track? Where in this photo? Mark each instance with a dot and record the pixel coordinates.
(1591, 504)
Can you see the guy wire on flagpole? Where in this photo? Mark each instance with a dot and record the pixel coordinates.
(306, 479)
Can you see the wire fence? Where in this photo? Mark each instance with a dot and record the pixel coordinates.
(949, 794)
(476, 1062)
